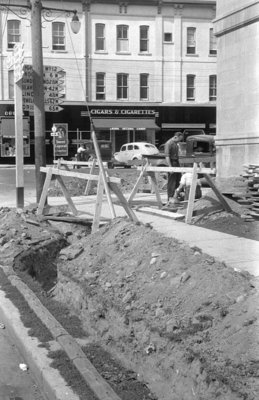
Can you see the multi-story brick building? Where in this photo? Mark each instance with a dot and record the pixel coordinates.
(137, 69)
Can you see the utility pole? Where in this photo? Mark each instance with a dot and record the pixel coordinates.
(38, 94)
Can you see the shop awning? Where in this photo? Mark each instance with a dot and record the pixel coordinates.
(124, 123)
(183, 126)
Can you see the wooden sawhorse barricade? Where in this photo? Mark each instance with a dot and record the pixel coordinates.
(105, 184)
(90, 164)
(151, 172)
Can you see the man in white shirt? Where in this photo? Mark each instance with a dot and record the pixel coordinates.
(183, 190)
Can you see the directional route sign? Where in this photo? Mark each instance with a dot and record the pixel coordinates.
(53, 86)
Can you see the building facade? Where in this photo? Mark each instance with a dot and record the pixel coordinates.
(133, 77)
(236, 28)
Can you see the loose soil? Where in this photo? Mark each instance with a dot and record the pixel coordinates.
(186, 324)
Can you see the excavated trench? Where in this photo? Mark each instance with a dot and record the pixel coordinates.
(40, 262)
(162, 309)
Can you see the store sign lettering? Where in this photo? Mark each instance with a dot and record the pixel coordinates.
(122, 112)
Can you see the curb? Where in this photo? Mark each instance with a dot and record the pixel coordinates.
(49, 380)
(54, 386)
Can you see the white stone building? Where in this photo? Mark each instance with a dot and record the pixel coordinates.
(236, 27)
(140, 68)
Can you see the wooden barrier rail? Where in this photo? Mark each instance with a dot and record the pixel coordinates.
(151, 172)
(111, 182)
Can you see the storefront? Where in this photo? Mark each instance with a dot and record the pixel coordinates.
(124, 130)
(120, 124)
(7, 137)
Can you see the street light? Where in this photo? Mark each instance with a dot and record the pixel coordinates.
(75, 23)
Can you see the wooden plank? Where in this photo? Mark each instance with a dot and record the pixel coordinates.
(102, 172)
(79, 175)
(136, 186)
(155, 187)
(79, 163)
(89, 183)
(190, 206)
(44, 192)
(67, 195)
(223, 202)
(161, 213)
(179, 169)
(98, 204)
(123, 201)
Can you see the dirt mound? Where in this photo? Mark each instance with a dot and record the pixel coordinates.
(185, 322)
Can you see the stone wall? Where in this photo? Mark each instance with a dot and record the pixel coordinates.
(237, 137)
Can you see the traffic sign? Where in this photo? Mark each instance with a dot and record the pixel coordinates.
(18, 57)
(52, 108)
(53, 83)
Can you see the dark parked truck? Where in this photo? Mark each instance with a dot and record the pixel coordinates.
(105, 147)
(196, 148)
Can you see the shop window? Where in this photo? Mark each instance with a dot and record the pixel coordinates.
(11, 84)
(100, 86)
(122, 86)
(190, 87)
(99, 37)
(122, 38)
(213, 88)
(144, 39)
(58, 36)
(7, 138)
(144, 89)
(191, 40)
(213, 43)
(13, 33)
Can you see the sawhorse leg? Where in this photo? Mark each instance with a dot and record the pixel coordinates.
(89, 182)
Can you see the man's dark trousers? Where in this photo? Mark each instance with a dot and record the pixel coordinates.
(173, 179)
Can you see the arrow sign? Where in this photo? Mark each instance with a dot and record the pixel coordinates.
(52, 108)
(53, 95)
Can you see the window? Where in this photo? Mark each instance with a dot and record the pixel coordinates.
(100, 86)
(122, 86)
(13, 33)
(213, 88)
(143, 86)
(143, 34)
(168, 37)
(58, 36)
(99, 37)
(122, 38)
(213, 42)
(191, 42)
(190, 87)
(11, 84)
(130, 147)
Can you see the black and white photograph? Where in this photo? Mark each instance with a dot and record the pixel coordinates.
(129, 200)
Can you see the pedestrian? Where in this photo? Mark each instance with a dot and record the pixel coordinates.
(172, 158)
(81, 152)
(183, 190)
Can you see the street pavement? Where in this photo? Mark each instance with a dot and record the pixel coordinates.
(15, 383)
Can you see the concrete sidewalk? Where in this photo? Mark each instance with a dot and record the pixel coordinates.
(239, 253)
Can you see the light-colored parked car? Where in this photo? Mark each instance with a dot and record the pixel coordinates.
(134, 151)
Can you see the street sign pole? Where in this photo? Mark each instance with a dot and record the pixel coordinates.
(18, 58)
(53, 134)
(19, 144)
(38, 92)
